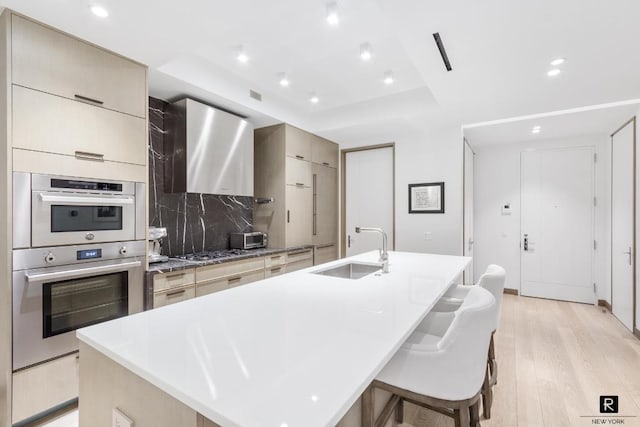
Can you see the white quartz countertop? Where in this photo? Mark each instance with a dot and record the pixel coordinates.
(292, 350)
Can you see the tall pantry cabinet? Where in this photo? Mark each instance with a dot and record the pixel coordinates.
(69, 108)
(298, 171)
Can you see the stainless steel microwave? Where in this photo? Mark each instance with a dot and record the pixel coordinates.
(55, 210)
(253, 240)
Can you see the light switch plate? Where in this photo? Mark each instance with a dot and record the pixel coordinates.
(118, 419)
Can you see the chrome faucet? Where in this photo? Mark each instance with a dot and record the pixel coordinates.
(384, 255)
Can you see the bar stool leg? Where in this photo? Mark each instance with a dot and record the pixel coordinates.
(487, 396)
(367, 408)
(400, 411)
(475, 414)
(461, 416)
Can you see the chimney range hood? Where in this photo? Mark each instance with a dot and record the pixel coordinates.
(208, 150)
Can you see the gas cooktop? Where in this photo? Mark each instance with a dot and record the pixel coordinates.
(209, 255)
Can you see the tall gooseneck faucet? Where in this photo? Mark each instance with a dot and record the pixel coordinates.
(384, 255)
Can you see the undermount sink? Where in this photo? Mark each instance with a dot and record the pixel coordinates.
(352, 270)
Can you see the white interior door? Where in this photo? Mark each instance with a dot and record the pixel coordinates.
(557, 188)
(469, 162)
(369, 200)
(622, 219)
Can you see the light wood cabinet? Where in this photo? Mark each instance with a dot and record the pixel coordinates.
(45, 386)
(299, 215)
(55, 63)
(297, 143)
(284, 172)
(218, 277)
(325, 253)
(299, 259)
(173, 287)
(298, 172)
(324, 152)
(172, 296)
(51, 124)
(325, 205)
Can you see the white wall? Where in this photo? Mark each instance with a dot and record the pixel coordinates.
(497, 181)
(637, 219)
(432, 157)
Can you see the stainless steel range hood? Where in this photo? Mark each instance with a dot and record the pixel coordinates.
(208, 150)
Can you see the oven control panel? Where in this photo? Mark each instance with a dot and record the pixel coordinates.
(66, 255)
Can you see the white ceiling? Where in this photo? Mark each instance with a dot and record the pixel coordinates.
(500, 51)
(602, 121)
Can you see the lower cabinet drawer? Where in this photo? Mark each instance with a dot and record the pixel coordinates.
(325, 253)
(300, 255)
(170, 280)
(299, 265)
(274, 270)
(217, 285)
(229, 269)
(44, 386)
(275, 260)
(174, 295)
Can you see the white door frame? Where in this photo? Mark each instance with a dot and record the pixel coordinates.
(593, 215)
(631, 121)
(343, 192)
(465, 239)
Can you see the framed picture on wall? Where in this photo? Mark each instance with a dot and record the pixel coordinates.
(426, 198)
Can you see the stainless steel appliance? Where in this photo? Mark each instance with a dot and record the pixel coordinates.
(56, 210)
(155, 247)
(57, 290)
(211, 150)
(252, 240)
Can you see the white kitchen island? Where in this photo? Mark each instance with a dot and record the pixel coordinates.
(293, 350)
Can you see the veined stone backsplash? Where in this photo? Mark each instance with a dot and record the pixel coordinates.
(195, 222)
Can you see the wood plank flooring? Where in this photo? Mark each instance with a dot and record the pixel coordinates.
(554, 361)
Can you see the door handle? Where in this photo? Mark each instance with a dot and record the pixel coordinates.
(349, 240)
(470, 244)
(288, 216)
(629, 252)
(525, 244)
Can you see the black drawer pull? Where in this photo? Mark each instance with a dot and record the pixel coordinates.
(87, 99)
(299, 157)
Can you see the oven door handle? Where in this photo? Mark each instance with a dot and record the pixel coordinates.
(79, 272)
(86, 200)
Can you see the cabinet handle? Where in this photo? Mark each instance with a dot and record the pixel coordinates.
(172, 294)
(299, 157)
(288, 216)
(299, 184)
(315, 203)
(87, 99)
(276, 256)
(234, 280)
(173, 276)
(89, 156)
(274, 270)
(304, 251)
(325, 246)
(326, 163)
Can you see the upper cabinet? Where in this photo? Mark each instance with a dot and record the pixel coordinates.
(52, 62)
(324, 152)
(298, 143)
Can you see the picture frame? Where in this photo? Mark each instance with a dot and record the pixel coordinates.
(426, 198)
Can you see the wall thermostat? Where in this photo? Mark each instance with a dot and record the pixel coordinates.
(506, 209)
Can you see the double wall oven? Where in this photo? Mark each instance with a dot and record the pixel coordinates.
(78, 259)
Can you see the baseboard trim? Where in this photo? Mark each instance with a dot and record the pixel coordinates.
(636, 332)
(510, 291)
(604, 303)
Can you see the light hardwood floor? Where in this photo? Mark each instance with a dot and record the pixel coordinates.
(554, 361)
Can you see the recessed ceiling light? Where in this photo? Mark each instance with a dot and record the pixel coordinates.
(365, 51)
(241, 55)
(332, 13)
(558, 61)
(99, 11)
(536, 129)
(388, 77)
(284, 81)
(553, 72)
(314, 98)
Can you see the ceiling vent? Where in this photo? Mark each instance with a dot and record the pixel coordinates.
(443, 52)
(255, 95)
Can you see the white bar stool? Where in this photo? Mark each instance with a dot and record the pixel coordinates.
(442, 364)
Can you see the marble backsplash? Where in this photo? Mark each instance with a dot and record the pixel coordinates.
(194, 222)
